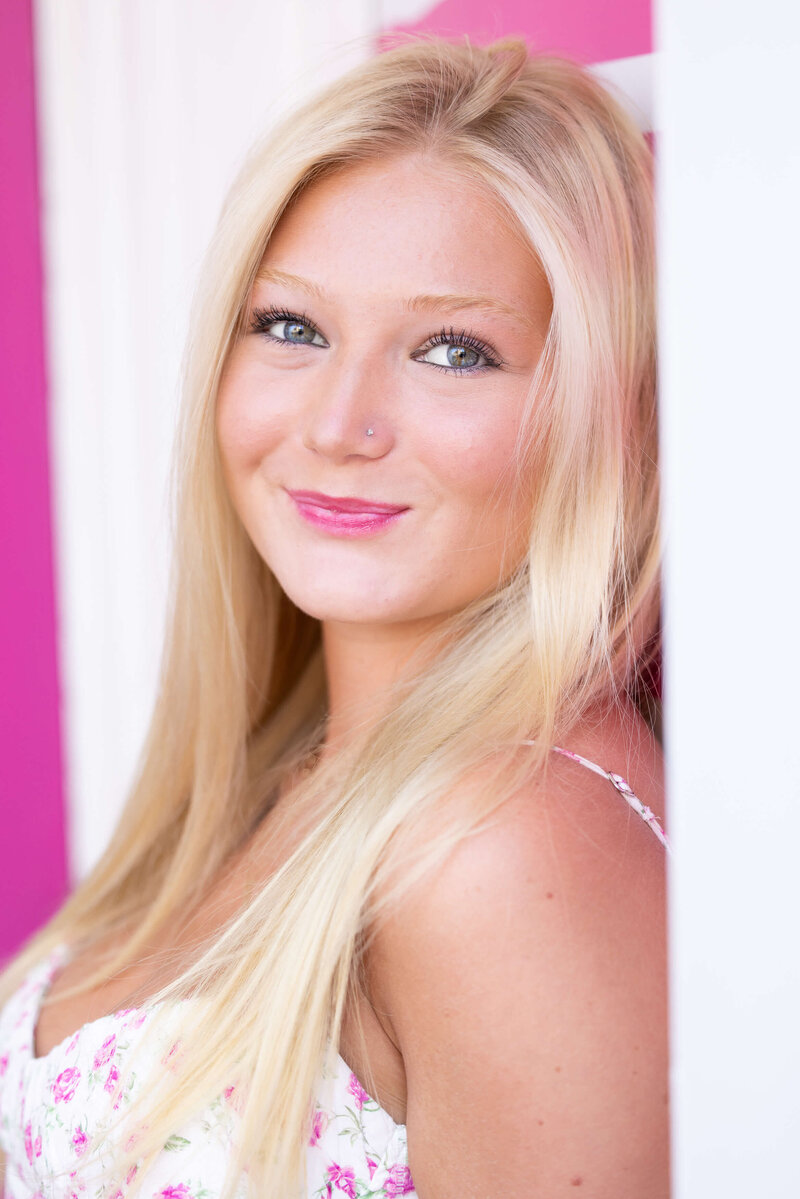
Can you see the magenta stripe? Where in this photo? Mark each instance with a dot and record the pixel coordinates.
(586, 29)
(33, 870)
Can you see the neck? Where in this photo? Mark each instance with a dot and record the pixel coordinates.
(362, 664)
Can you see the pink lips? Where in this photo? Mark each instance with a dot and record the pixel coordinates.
(345, 516)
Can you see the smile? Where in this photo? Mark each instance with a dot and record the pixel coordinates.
(345, 516)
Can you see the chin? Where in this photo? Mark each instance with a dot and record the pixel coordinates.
(354, 604)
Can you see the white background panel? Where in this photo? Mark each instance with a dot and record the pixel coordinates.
(727, 103)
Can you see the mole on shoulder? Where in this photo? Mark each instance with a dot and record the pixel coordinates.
(576, 1181)
(549, 895)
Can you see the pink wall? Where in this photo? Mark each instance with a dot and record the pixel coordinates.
(32, 853)
(586, 29)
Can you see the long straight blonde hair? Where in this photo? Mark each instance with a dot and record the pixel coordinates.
(242, 690)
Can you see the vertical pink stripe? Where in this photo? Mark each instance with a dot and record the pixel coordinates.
(585, 29)
(33, 870)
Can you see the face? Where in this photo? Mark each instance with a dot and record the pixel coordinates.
(367, 418)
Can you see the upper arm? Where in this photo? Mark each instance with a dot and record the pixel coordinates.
(526, 984)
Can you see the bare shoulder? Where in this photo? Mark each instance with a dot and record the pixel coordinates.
(525, 984)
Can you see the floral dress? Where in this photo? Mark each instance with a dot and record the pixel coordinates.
(52, 1108)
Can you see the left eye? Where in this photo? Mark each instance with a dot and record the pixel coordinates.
(451, 354)
(296, 332)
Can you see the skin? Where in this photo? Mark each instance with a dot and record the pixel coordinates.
(515, 1016)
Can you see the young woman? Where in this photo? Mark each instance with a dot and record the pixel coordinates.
(383, 915)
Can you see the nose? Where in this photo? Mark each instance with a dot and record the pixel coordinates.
(347, 415)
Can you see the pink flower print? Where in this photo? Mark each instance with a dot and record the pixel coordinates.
(169, 1060)
(343, 1180)
(129, 1177)
(569, 754)
(398, 1182)
(357, 1091)
(111, 1083)
(33, 1148)
(79, 1141)
(66, 1084)
(372, 1166)
(3, 1064)
(105, 1052)
(318, 1127)
(132, 1017)
(181, 1191)
(73, 1043)
(233, 1098)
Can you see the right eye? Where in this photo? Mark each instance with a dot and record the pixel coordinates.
(289, 328)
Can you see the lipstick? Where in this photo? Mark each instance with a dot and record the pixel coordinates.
(345, 516)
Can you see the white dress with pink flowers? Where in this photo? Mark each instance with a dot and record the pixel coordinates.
(53, 1108)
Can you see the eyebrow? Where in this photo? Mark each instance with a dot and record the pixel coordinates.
(439, 303)
(268, 274)
(430, 303)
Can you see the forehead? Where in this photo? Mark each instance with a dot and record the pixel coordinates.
(407, 225)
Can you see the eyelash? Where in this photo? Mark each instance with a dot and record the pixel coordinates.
(463, 337)
(262, 318)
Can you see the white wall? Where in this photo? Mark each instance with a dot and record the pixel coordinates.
(727, 104)
(146, 108)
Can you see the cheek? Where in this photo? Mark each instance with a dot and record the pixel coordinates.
(474, 459)
(247, 427)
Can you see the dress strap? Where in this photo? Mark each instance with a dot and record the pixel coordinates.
(624, 789)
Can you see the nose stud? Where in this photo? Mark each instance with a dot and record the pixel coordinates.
(370, 432)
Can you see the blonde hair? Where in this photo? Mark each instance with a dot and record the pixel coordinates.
(242, 690)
